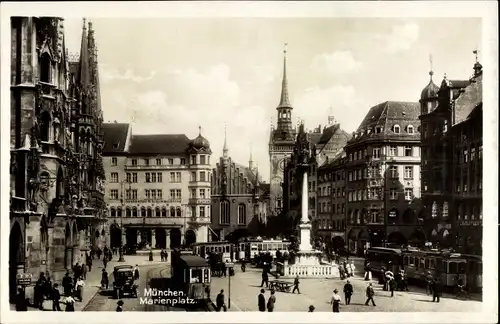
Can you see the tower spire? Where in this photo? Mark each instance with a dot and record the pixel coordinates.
(431, 72)
(225, 149)
(284, 100)
(250, 160)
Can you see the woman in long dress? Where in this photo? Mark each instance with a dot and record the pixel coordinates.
(79, 288)
(335, 301)
(70, 304)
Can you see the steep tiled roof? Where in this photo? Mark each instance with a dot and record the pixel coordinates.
(469, 99)
(387, 115)
(328, 133)
(115, 137)
(314, 138)
(159, 144)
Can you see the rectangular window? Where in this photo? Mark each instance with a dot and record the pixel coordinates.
(193, 193)
(147, 193)
(393, 151)
(134, 162)
(193, 176)
(114, 177)
(146, 162)
(153, 177)
(202, 176)
(202, 211)
(159, 177)
(376, 153)
(134, 194)
(350, 176)
(128, 194)
(148, 177)
(178, 193)
(114, 194)
(158, 161)
(393, 171)
(129, 177)
(177, 177)
(134, 177)
(114, 161)
(466, 156)
(408, 193)
(202, 193)
(393, 194)
(172, 176)
(172, 193)
(202, 159)
(159, 194)
(153, 194)
(183, 161)
(408, 151)
(193, 159)
(408, 172)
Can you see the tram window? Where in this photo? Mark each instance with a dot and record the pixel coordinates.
(264, 247)
(196, 275)
(422, 263)
(427, 264)
(259, 247)
(274, 247)
(439, 264)
(227, 248)
(461, 267)
(432, 264)
(452, 267)
(412, 261)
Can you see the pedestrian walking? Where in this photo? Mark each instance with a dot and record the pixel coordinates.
(265, 278)
(351, 269)
(89, 262)
(85, 269)
(261, 301)
(136, 272)
(79, 288)
(368, 272)
(335, 301)
(77, 272)
(70, 304)
(369, 294)
(56, 298)
(271, 302)
(341, 272)
(162, 255)
(104, 279)
(392, 286)
(67, 283)
(21, 301)
(296, 285)
(219, 301)
(436, 290)
(105, 261)
(430, 281)
(99, 252)
(348, 291)
(119, 307)
(311, 308)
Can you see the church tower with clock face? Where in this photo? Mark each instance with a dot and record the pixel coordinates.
(281, 143)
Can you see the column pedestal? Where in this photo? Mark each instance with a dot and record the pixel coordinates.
(167, 239)
(153, 239)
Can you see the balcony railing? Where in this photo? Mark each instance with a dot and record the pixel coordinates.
(199, 201)
(149, 220)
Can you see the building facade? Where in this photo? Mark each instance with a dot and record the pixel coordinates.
(383, 178)
(239, 200)
(158, 189)
(56, 203)
(451, 118)
(281, 143)
(332, 201)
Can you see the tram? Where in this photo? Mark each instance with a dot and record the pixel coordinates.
(192, 274)
(381, 257)
(226, 249)
(249, 249)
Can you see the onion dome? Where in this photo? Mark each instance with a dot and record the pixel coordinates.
(430, 91)
(200, 142)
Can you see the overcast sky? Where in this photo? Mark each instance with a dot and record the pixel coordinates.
(172, 75)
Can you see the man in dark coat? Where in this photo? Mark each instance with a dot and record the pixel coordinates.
(437, 289)
(369, 294)
(21, 302)
(265, 278)
(296, 284)
(271, 302)
(348, 291)
(67, 284)
(219, 301)
(262, 301)
(56, 297)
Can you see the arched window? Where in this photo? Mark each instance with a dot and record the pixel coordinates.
(157, 212)
(224, 212)
(45, 68)
(172, 212)
(112, 212)
(163, 212)
(179, 212)
(150, 212)
(397, 129)
(134, 211)
(410, 129)
(445, 209)
(143, 211)
(128, 212)
(45, 127)
(119, 212)
(242, 214)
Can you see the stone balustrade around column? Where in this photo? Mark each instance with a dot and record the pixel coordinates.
(307, 271)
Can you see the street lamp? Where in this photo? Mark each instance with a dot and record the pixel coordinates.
(230, 266)
(122, 259)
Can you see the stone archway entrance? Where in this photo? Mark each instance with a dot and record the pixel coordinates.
(338, 243)
(175, 238)
(190, 237)
(161, 238)
(131, 237)
(115, 235)
(16, 257)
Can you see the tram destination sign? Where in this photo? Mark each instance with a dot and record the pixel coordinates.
(470, 223)
(24, 279)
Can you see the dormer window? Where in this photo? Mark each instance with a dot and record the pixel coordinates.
(410, 129)
(396, 129)
(116, 145)
(378, 130)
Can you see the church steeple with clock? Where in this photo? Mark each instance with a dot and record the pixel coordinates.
(281, 143)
